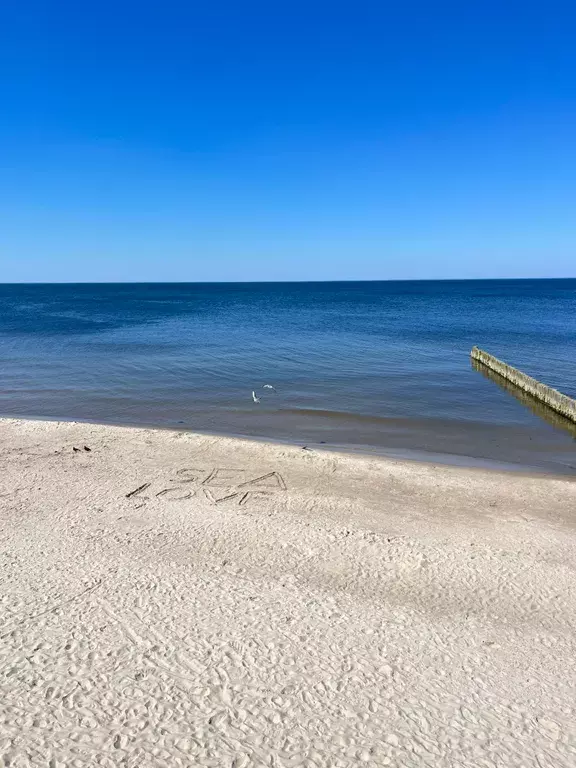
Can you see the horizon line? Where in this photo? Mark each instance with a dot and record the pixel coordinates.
(286, 282)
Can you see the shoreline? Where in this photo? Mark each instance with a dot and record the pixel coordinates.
(179, 599)
(417, 456)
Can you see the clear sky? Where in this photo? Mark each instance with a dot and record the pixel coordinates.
(287, 141)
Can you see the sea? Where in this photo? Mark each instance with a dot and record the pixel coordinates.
(378, 367)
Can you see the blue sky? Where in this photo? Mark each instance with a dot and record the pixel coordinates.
(287, 141)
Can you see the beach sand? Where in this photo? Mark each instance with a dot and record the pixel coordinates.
(262, 605)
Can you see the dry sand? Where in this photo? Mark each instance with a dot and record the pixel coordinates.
(261, 605)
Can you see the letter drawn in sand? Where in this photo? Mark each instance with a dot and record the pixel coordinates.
(138, 491)
(273, 481)
(176, 494)
(223, 477)
(217, 498)
(190, 475)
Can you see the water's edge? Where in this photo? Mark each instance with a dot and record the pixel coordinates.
(429, 458)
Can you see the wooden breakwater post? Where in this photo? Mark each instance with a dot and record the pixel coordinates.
(551, 397)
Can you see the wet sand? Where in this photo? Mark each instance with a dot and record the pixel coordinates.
(175, 599)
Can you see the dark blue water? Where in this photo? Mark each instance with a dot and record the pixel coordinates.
(382, 364)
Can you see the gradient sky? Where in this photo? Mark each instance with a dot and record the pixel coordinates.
(287, 141)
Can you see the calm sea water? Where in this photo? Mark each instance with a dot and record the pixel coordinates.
(381, 365)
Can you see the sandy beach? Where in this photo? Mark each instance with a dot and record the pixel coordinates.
(172, 599)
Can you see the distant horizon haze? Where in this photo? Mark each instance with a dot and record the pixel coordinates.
(287, 282)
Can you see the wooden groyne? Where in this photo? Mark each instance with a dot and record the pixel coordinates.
(555, 400)
(537, 407)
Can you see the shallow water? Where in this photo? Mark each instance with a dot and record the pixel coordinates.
(380, 365)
